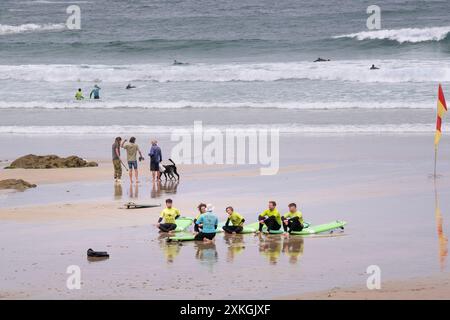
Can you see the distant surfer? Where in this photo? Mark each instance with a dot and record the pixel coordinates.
(79, 95)
(95, 92)
(321, 60)
(293, 220)
(130, 86)
(178, 63)
(373, 67)
(271, 218)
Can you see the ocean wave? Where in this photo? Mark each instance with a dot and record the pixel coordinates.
(283, 128)
(409, 35)
(297, 105)
(30, 27)
(392, 71)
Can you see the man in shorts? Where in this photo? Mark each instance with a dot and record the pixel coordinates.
(132, 150)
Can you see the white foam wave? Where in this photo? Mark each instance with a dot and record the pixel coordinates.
(30, 27)
(412, 35)
(283, 128)
(391, 71)
(89, 104)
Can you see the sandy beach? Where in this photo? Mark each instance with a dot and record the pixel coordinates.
(336, 106)
(387, 203)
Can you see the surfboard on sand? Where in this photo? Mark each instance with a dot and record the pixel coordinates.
(132, 205)
(314, 229)
(188, 236)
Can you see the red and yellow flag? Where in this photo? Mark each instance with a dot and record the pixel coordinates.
(441, 110)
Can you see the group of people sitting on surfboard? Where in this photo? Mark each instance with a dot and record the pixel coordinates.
(206, 221)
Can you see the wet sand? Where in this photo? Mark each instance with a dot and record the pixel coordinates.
(428, 288)
(379, 184)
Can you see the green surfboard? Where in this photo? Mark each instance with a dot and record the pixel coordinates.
(187, 236)
(314, 229)
(183, 223)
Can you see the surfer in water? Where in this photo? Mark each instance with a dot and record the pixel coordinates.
(373, 67)
(79, 95)
(270, 217)
(169, 215)
(237, 221)
(321, 60)
(208, 223)
(130, 86)
(293, 220)
(178, 63)
(201, 210)
(95, 92)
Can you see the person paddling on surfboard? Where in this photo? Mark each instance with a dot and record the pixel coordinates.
(201, 210)
(237, 221)
(270, 217)
(292, 220)
(208, 223)
(169, 214)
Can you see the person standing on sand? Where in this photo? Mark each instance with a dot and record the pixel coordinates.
(208, 223)
(270, 217)
(155, 159)
(237, 221)
(116, 159)
(169, 214)
(132, 150)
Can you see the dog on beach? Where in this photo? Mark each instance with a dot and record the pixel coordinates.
(170, 170)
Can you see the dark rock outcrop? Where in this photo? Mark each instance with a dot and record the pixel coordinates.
(17, 184)
(32, 161)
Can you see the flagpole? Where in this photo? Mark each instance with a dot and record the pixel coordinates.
(435, 160)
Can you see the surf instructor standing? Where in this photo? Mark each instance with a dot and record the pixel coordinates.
(155, 159)
(116, 159)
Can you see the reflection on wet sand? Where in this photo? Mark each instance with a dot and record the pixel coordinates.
(235, 244)
(443, 241)
(161, 188)
(134, 192)
(118, 191)
(293, 248)
(170, 249)
(272, 246)
(206, 253)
